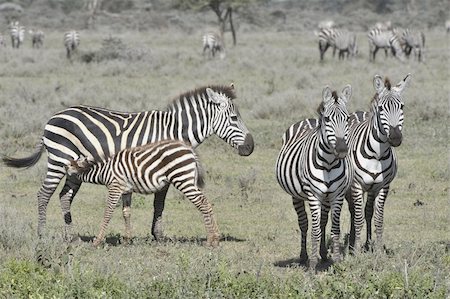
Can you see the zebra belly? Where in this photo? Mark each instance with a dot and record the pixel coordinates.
(375, 172)
(145, 187)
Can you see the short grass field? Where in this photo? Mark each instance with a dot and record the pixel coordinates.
(279, 81)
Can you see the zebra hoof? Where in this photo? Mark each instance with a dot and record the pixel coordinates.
(212, 241)
(97, 242)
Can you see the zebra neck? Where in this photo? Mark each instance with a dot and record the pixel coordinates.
(96, 174)
(376, 140)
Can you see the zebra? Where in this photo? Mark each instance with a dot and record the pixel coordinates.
(341, 40)
(326, 39)
(414, 40)
(372, 139)
(214, 42)
(99, 133)
(37, 38)
(148, 169)
(17, 33)
(447, 26)
(387, 40)
(313, 166)
(71, 42)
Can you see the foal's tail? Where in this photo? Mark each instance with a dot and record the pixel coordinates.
(27, 161)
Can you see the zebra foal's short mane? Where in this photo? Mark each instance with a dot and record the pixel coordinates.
(226, 90)
(387, 84)
(321, 106)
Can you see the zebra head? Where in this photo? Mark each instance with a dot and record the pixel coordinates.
(228, 124)
(388, 108)
(333, 119)
(78, 166)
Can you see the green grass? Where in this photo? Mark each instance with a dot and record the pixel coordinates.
(279, 81)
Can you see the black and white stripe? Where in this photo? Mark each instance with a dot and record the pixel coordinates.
(414, 41)
(71, 42)
(387, 40)
(341, 40)
(99, 133)
(313, 166)
(371, 142)
(148, 169)
(37, 38)
(17, 33)
(213, 42)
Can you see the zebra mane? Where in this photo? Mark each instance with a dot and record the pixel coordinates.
(226, 90)
(387, 83)
(81, 165)
(322, 106)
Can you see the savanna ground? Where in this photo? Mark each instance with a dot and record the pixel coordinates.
(279, 81)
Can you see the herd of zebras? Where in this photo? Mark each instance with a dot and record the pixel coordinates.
(323, 160)
(395, 40)
(17, 33)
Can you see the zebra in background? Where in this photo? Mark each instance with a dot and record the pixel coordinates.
(99, 133)
(147, 169)
(387, 40)
(71, 42)
(372, 138)
(414, 40)
(313, 166)
(447, 26)
(214, 42)
(341, 40)
(37, 38)
(17, 33)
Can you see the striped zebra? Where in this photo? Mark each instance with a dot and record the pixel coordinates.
(71, 42)
(98, 133)
(414, 41)
(17, 33)
(37, 38)
(387, 40)
(341, 40)
(148, 169)
(214, 42)
(371, 141)
(313, 166)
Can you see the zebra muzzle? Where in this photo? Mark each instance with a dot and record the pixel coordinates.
(247, 147)
(341, 149)
(395, 136)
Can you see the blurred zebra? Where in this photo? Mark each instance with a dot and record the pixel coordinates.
(37, 38)
(71, 42)
(214, 42)
(99, 133)
(341, 40)
(447, 26)
(148, 169)
(17, 33)
(313, 166)
(326, 40)
(387, 40)
(414, 40)
(372, 138)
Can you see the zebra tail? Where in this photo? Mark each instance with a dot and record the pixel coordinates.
(200, 173)
(24, 162)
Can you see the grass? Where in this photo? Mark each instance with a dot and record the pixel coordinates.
(279, 81)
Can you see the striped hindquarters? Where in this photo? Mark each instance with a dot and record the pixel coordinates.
(17, 33)
(71, 41)
(213, 42)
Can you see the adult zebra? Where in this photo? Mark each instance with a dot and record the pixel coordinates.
(214, 42)
(371, 142)
(37, 38)
(71, 42)
(414, 40)
(99, 133)
(313, 166)
(387, 40)
(341, 40)
(147, 169)
(17, 33)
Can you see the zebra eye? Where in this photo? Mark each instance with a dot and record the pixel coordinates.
(234, 117)
(380, 108)
(326, 118)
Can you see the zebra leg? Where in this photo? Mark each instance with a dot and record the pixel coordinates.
(299, 206)
(336, 207)
(115, 192)
(126, 213)
(379, 215)
(158, 208)
(368, 215)
(357, 218)
(374, 53)
(68, 192)
(315, 207)
(323, 225)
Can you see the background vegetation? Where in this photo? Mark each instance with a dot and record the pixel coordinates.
(275, 67)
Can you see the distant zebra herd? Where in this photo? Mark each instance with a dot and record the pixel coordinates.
(17, 34)
(397, 41)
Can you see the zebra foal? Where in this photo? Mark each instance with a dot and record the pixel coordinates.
(148, 169)
(71, 42)
(313, 167)
(372, 139)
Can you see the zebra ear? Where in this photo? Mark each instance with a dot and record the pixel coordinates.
(402, 84)
(347, 92)
(214, 96)
(378, 84)
(326, 94)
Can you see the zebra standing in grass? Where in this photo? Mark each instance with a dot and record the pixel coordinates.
(71, 42)
(99, 133)
(37, 38)
(341, 40)
(148, 169)
(414, 41)
(371, 142)
(214, 42)
(387, 40)
(313, 166)
(17, 33)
